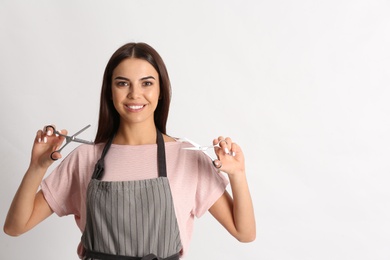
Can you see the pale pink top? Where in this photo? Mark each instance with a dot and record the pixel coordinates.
(194, 181)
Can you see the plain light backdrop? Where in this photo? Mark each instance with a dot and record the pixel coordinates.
(302, 86)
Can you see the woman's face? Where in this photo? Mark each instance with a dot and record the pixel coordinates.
(135, 91)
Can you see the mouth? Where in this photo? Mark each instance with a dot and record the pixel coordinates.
(135, 107)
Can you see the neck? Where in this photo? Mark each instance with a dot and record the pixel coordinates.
(135, 135)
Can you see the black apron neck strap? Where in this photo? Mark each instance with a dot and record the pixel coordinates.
(161, 161)
(99, 166)
(162, 168)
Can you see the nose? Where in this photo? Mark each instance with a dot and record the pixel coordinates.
(134, 92)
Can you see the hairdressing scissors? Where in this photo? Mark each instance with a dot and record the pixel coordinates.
(197, 147)
(68, 139)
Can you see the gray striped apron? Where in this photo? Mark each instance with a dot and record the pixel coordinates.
(131, 220)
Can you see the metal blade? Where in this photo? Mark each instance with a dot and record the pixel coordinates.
(82, 130)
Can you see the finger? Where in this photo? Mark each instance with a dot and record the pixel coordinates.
(64, 131)
(221, 140)
(38, 137)
(55, 156)
(229, 142)
(49, 130)
(217, 164)
(223, 143)
(217, 146)
(234, 149)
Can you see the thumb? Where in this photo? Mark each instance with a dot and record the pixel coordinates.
(217, 163)
(55, 156)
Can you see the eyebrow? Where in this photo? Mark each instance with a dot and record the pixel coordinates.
(143, 78)
(121, 78)
(148, 77)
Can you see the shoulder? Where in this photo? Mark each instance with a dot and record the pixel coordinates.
(178, 145)
(88, 149)
(191, 159)
(84, 153)
(77, 167)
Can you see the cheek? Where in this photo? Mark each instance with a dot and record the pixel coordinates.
(154, 96)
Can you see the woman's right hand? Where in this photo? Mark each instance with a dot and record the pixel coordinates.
(30, 207)
(46, 142)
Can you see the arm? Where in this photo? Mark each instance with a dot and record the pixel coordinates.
(235, 214)
(29, 207)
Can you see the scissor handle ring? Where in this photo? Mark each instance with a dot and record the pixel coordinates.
(51, 156)
(51, 126)
(218, 167)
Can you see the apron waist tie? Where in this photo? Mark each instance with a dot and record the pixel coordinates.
(103, 256)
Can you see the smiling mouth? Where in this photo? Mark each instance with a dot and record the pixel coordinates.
(135, 107)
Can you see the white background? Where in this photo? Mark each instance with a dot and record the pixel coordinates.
(302, 86)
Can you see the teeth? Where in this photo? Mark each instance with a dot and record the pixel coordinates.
(135, 107)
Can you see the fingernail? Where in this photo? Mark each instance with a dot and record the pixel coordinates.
(58, 132)
(39, 140)
(233, 154)
(45, 139)
(49, 132)
(226, 151)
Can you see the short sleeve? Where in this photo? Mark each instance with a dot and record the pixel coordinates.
(64, 189)
(211, 184)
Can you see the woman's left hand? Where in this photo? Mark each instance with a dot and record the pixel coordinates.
(230, 156)
(235, 214)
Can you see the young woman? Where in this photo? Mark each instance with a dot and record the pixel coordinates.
(136, 191)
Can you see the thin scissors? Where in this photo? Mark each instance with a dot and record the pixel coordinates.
(68, 139)
(197, 147)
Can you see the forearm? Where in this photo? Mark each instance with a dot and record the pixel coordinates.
(22, 206)
(243, 212)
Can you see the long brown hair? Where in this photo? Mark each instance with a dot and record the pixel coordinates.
(108, 116)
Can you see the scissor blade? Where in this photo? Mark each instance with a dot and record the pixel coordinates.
(78, 140)
(197, 147)
(192, 148)
(82, 130)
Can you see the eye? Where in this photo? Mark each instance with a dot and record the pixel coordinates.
(147, 83)
(122, 83)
